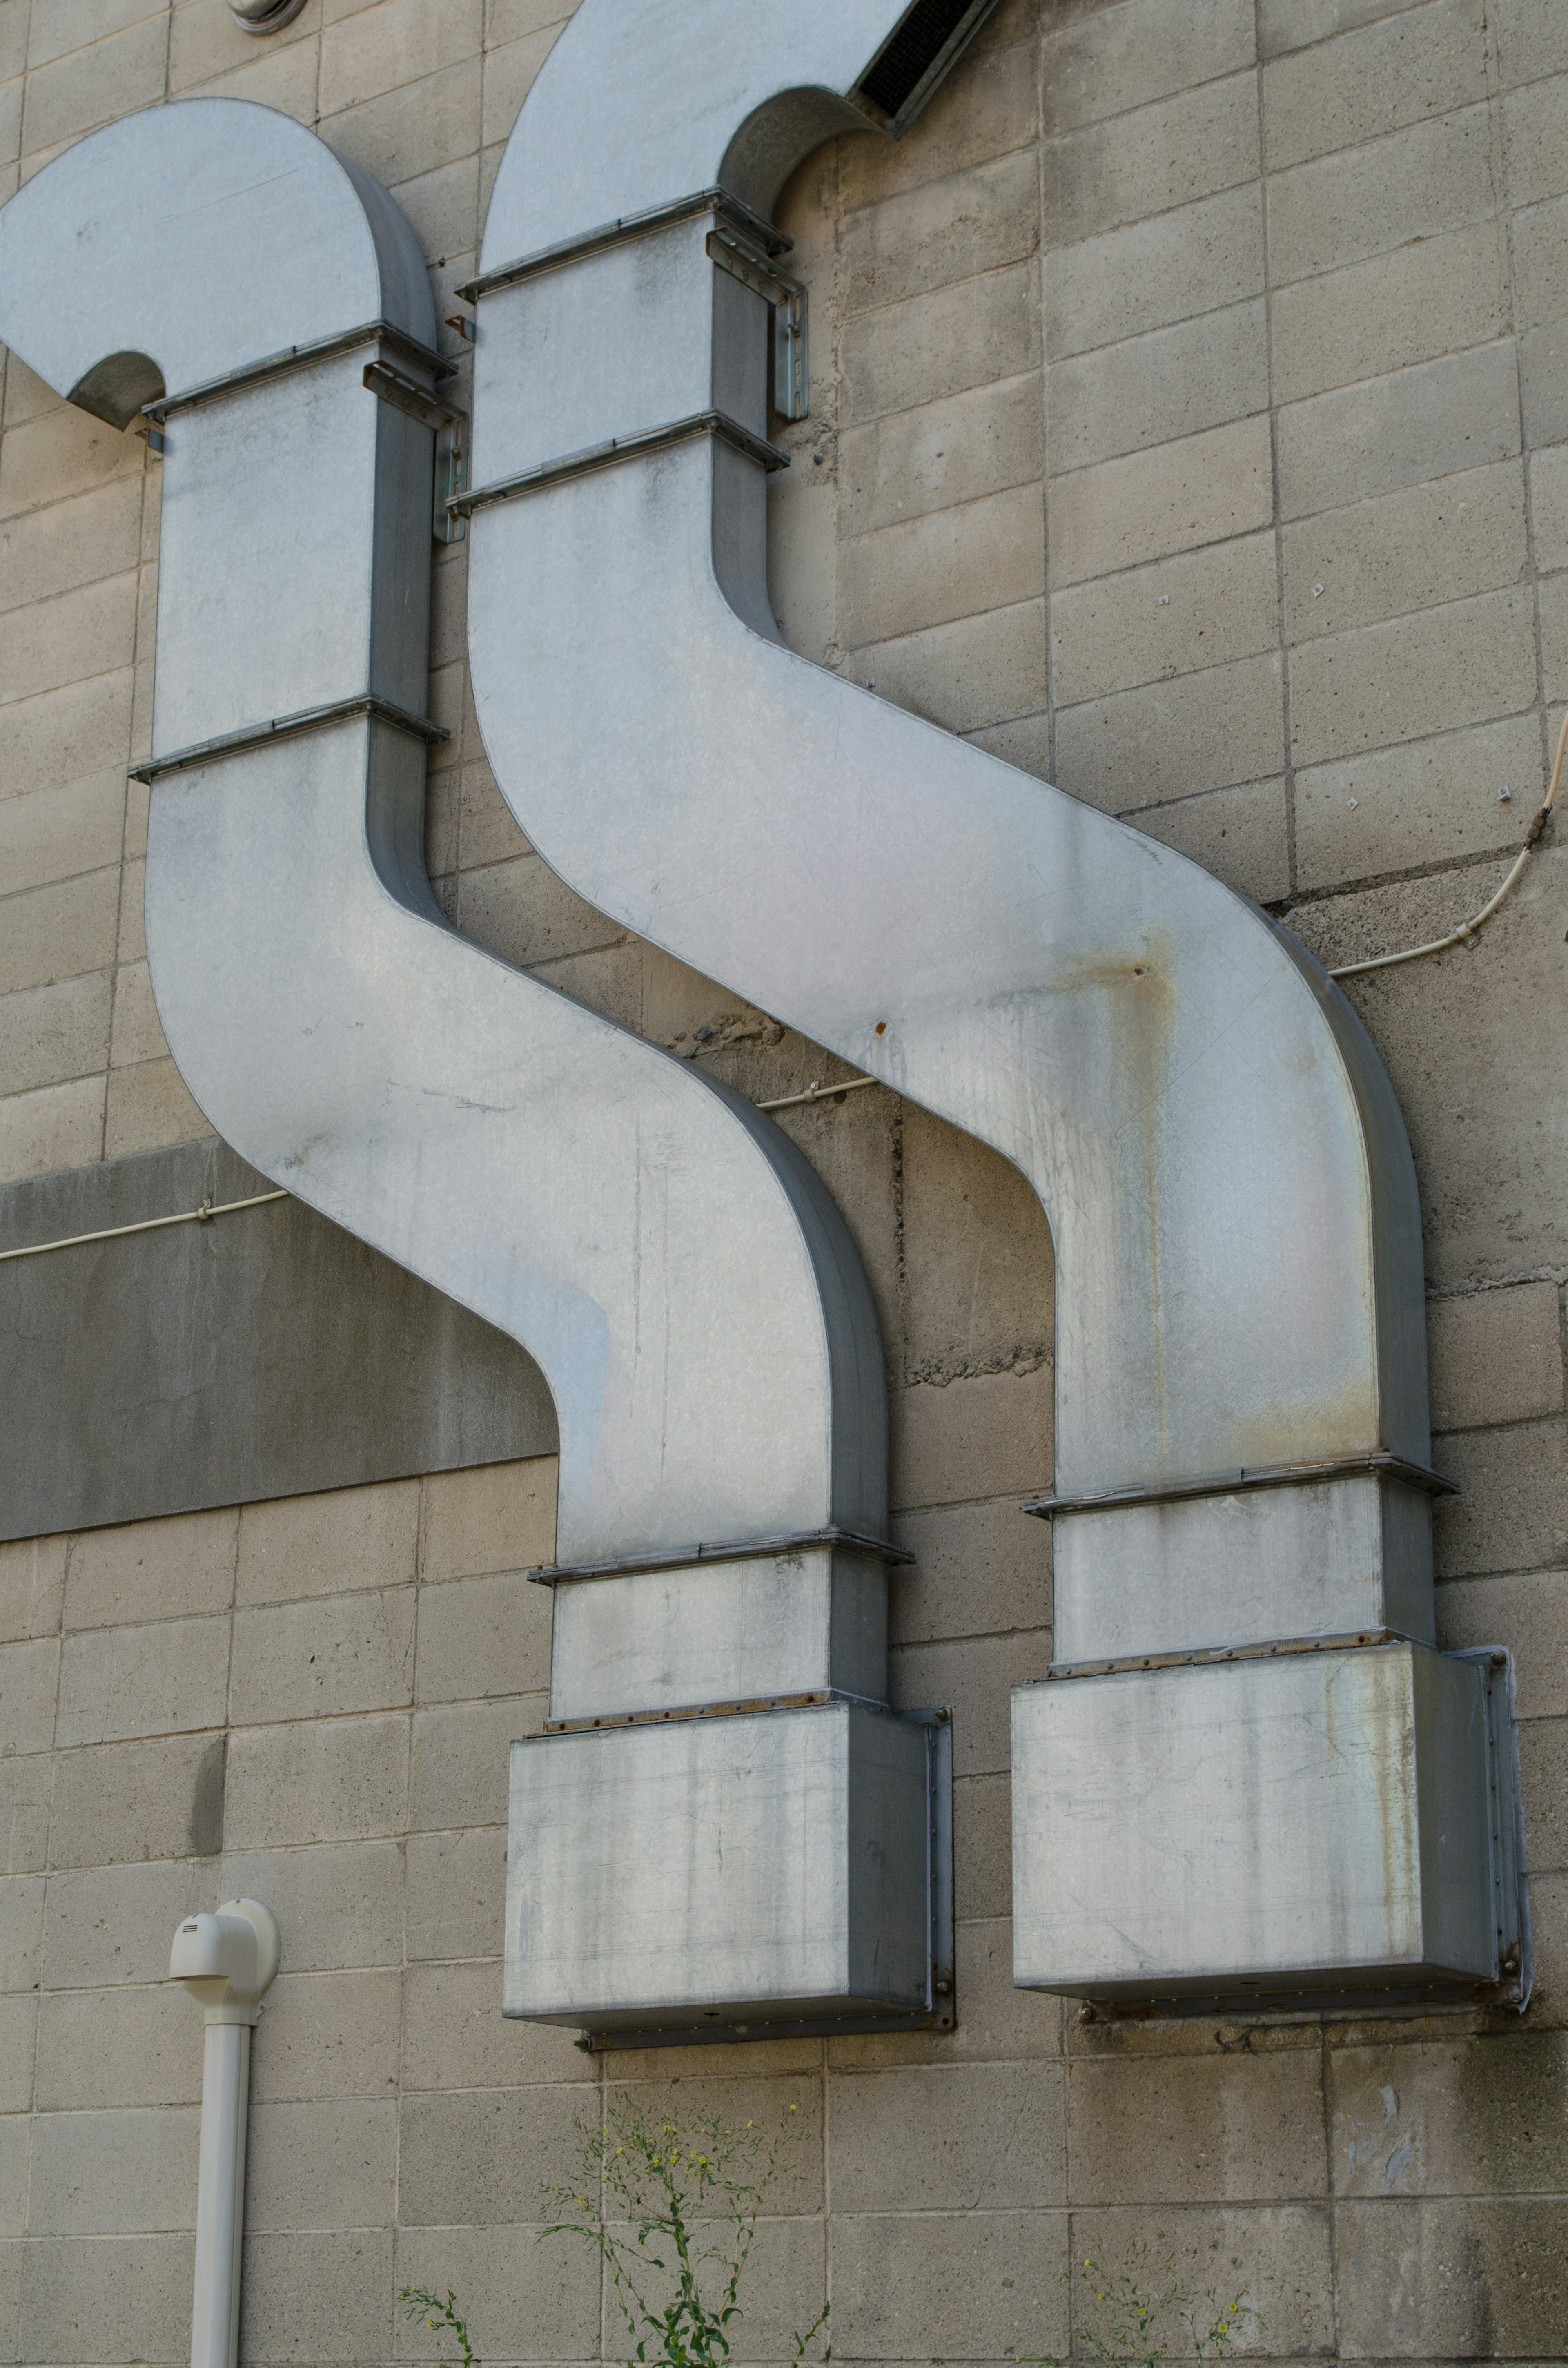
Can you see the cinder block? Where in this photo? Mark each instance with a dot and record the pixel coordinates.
(1549, 517)
(284, 79)
(50, 1033)
(1399, 430)
(1238, 833)
(1418, 803)
(1423, 61)
(609, 983)
(401, 41)
(978, 114)
(203, 45)
(1528, 1614)
(1405, 551)
(457, 1775)
(1444, 2117)
(934, 458)
(987, 1435)
(1203, 489)
(978, 1270)
(70, 544)
(1549, 1923)
(996, 2023)
(1152, 273)
(317, 1780)
(130, 2047)
(1156, 157)
(498, 1517)
(416, 129)
(107, 2174)
(15, 2147)
(60, 930)
(1198, 2129)
(1513, 1514)
(32, 1585)
(167, 1677)
(480, 1636)
(510, 74)
(1426, 300)
(13, 44)
(77, 634)
(1291, 24)
(137, 1032)
(322, 2163)
(1553, 605)
(121, 1802)
(1172, 739)
(328, 2036)
(1200, 610)
(1530, 120)
(1496, 1355)
(455, 2035)
(327, 2296)
(1433, 177)
(1281, 2256)
(64, 735)
(981, 670)
(21, 1930)
(546, 2295)
(443, 207)
(1121, 58)
(339, 1904)
(935, 345)
(53, 834)
(1541, 274)
(1452, 2279)
(940, 232)
(1532, 39)
(852, 1146)
(1159, 389)
(980, 1569)
(510, 20)
(497, 2149)
(931, 2138)
(18, 2030)
(487, 831)
(58, 1126)
(1543, 1784)
(521, 911)
(456, 1894)
(948, 564)
(146, 1570)
(1456, 664)
(331, 1545)
(149, 1107)
(323, 1658)
(94, 84)
(132, 946)
(113, 1924)
(973, 1676)
(87, 2299)
(27, 1784)
(976, 2284)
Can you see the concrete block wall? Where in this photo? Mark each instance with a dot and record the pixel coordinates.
(1190, 426)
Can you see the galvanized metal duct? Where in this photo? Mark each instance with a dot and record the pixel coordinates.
(1242, 1441)
(675, 1267)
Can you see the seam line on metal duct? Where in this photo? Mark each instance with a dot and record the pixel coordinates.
(1206, 1656)
(618, 448)
(284, 727)
(289, 358)
(752, 1707)
(620, 233)
(742, 1550)
(1259, 1475)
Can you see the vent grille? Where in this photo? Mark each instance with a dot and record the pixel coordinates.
(908, 67)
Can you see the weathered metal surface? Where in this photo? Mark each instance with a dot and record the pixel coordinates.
(267, 1355)
(778, 1867)
(1321, 1823)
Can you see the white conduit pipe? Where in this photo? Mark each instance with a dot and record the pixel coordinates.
(227, 1962)
(1207, 1125)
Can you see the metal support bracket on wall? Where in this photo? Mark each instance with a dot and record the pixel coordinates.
(751, 264)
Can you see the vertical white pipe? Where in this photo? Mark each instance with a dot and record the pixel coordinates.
(227, 1962)
(220, 2193)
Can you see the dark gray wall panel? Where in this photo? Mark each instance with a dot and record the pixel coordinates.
(265, 1354)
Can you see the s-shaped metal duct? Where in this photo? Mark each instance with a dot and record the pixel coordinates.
(1249, 1774)
(673, 1263)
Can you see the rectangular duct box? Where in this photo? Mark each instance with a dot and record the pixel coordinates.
(1339, 1826)
(701, 1876)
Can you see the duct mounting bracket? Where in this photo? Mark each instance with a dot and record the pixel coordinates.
(450, 425)
(755, 269)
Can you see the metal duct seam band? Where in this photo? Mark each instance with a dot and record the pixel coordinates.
(610, 454)
(746, 1549)
(1259, 1475)
(620, 233)
(296, 358)
(284, 727)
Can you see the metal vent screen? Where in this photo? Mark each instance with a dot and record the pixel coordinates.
(926, 44)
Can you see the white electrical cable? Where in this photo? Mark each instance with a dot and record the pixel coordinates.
(202, 1216)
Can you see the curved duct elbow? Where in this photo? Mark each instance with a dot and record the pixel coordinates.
(1241, 1435)
(674, 1265)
